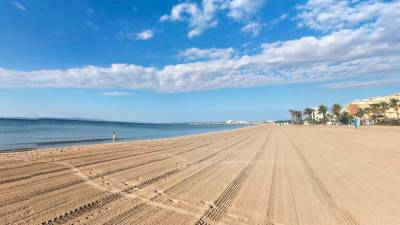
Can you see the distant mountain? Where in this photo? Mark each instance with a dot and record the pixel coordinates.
(82, 119)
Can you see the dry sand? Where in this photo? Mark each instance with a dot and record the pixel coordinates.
(259, 175)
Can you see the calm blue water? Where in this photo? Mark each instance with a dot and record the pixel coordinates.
(42, 133)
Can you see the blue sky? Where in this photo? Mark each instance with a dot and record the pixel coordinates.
(205, 60)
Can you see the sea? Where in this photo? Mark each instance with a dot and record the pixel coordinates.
(27, 134)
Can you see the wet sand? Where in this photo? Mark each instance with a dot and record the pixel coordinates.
(258, 175)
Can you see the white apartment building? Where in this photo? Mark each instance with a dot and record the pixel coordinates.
(316, 115)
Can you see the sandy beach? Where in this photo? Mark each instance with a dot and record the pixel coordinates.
(257, 175)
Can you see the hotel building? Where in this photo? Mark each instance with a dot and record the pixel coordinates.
(355, 105)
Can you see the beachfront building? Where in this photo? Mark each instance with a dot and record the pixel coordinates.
(365, 104)
(317, 117)
(236, 122)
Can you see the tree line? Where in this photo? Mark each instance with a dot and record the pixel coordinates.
(375, 111)
(296, 115)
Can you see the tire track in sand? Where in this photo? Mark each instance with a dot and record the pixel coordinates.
(44, 172)
(173, 191)
(272, 193)
(225, 200)
(79, 181)
(47, 159)
(340, 214)
(100, 203)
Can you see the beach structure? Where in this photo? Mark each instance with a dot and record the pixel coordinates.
(366, 104)
(236, 122)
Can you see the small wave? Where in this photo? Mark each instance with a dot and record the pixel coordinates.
(46, 143)
(22, 149)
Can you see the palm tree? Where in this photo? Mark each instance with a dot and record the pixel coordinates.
(383, 107)
(323, 109)
(308, 112)
(291, 115)
(345, 118)
(394, 104)
(360, 113)
(336, 108)
(367, 111)
(375, 110)
(313, 119)
(298, 116)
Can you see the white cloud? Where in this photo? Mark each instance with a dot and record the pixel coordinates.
(90, 11)
(242, 9)
(253, 28)
(206, 54)
(357, 54)
(364, 84)
(19, 6)
(199, 18)
(145, 35)
(278, 20)
(91, 25)
(204, 16)
(116, 93)
(326, 15)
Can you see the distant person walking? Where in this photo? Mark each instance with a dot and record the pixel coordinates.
(114, 136)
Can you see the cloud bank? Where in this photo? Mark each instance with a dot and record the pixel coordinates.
(352, 48)
(364, 84)
(192, 54)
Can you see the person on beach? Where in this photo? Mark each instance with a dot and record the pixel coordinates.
(356, 122)
(114, 136)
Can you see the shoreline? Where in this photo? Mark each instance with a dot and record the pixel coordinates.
(126, 141)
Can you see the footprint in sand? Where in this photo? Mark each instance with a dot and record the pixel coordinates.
(158, 192)
(209, 204)
(173, 200)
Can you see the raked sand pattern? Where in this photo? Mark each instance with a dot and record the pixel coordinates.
(257, 175)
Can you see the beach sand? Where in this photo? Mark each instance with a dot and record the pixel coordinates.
(257, 175)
